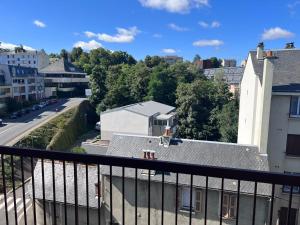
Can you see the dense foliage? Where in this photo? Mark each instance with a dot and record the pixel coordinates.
(206, 109)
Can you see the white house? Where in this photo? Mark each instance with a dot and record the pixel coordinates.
(270, 116)
(145, 118)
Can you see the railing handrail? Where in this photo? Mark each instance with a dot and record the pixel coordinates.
(175, 167)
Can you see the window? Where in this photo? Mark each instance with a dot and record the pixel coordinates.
(97, 190)
(160, 122)
(185, 198)
(287, 188)
(295, 106)
(229, 206)
(293, 145)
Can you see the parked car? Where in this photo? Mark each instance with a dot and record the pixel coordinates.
(13, 115)
(53, 101)
(42, 105)
(98, 126)
(1, 122)
(35, 107)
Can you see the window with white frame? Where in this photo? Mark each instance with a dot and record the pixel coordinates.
(287, 188)
(295, 106)
(185, 199)
(229, 206)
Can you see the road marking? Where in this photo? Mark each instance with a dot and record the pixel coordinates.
(12, 205)
(21, 215)
(7, 129)
(8, 200)
(20, 207)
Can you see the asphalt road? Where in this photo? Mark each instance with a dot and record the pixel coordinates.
(12, 130)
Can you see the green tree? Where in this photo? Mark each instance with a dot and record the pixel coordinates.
(64, 54)
(97, 84)
(196, 58)
(162, 86)
(75, 54)
(228, 121)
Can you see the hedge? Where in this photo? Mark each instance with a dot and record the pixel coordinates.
(82, 120)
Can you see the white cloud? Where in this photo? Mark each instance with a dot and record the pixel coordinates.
(10, 46)
(88, 45)
(39, 23)
(203, 24)
(157, 35)
(208, 43)
(174, 6)
(276, 33)
(214, 24)
(169, 51)
(123, 35)
(175, 27)
(292, 7)
(90, 34)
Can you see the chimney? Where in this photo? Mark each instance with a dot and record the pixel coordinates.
(165, 139)
(265, 105)
(289, 45)
(260, 51)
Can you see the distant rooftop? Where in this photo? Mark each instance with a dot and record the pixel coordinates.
(232, 75)
(149, 108)
(62, 66)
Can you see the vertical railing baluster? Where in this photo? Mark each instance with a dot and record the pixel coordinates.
(135, 196)
(54, 192)
(44, 194)
(149, 197)
(191, 200)
(23, 190)
(206, 198)
(33, 191)
(87, 194)
(76, 193)
(4, 188)
(238, 202)
(176, 200)
(290, 205)
(14, 188)
(65, 193)
(110, 196)
(123, 196)
(254, 203)
(272, 204)
(162, 196)
(99, 194)
(221, 205)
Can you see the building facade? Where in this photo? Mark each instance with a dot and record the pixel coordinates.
(269, 116)
(144, 118)
(21, 83)
(65, 79)
(26, 58)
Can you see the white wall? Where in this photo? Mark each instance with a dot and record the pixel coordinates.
(248, 102)
(123, 121)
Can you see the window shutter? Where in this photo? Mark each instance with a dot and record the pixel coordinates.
(198, 200)
(225, 206)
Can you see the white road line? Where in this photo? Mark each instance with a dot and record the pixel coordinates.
(21, 215)
(20, 207)
(8, 200)
(7, 130)
(12, 205)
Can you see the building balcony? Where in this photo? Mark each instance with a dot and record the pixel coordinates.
(49, 187)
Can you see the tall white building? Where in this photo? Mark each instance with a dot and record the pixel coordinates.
(22, 57)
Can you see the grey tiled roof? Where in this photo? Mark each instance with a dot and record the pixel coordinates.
(192, 152)
(59, 188)
(231, 75)
(148, 108)
(286, 66)
(62, 66)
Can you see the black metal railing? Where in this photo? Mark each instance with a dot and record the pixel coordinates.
(19, 171)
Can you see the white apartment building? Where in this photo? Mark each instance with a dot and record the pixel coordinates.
(22, 57)
(270, 117)
(21, 83)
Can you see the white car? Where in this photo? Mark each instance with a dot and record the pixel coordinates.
(98, 126)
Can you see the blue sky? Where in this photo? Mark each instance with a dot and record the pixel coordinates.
(226, 29)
